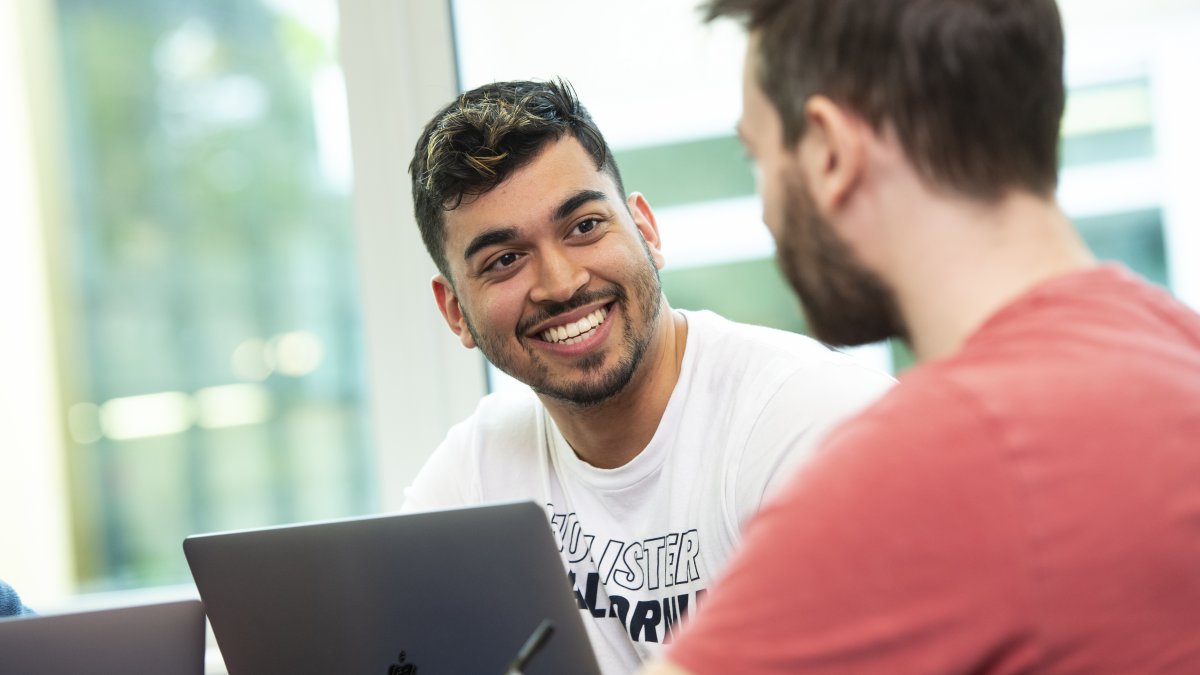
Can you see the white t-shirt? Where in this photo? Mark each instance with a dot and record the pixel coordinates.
(643, 542)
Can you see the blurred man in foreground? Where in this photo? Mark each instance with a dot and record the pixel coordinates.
(1028, 499)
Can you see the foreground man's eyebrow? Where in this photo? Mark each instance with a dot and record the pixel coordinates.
(489, 238)
(576, 200)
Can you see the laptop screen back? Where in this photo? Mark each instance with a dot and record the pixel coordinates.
(166, 638)
(454, 591)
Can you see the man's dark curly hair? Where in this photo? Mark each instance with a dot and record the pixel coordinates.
(482, 137)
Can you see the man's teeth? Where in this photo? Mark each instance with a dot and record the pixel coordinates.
(576, 331)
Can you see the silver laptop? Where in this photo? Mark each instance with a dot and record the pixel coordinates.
(166, 638)
(476, 590)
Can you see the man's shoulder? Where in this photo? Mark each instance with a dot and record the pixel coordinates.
(927, 404)
(925, 438)
(759, 344)
(483, 456)
(768, 358)
(717, 327)
(512, 411)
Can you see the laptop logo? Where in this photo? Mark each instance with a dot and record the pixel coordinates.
(402, 668)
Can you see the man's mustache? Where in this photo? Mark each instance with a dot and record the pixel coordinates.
(550, 310)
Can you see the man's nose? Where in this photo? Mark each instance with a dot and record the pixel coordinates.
(559, 278)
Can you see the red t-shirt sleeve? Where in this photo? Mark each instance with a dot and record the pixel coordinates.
(898, 550)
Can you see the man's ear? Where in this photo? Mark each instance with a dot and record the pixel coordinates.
(447, 302)
(643, 217)
(832, 153)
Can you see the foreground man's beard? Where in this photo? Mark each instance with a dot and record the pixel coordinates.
(845, 304)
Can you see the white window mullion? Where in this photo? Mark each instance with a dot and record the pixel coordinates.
(398, 60)
(35, 539)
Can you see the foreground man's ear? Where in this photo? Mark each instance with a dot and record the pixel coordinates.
(832, 152)
(447, 302)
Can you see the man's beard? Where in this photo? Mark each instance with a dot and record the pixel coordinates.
(640, 323)
(844, 303)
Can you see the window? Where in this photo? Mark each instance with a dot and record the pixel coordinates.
(208, 310)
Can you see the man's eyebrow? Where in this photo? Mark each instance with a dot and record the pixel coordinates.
(576, 200)
(499, 235)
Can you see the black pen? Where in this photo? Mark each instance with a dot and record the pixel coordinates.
(531, 647)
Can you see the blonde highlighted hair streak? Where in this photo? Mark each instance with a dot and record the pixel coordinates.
(478, 140)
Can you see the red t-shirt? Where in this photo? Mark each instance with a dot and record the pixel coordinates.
(1030, 504)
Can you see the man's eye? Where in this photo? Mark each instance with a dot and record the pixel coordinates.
(503, 261)
(587, 226)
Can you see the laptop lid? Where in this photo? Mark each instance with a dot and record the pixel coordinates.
(452, 591)
(164, 637)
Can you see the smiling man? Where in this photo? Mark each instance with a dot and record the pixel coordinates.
(650, 434)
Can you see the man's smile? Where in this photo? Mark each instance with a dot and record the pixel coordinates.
(575, 331)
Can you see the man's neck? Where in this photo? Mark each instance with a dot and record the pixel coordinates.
(961, 262)
(610, 434)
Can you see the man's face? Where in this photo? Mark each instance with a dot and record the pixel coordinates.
(844, 302)
(552, 278)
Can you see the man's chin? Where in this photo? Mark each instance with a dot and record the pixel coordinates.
(851, 327)
(851, 339)
(580, 397)
(593, 389)
(856, 335)
(576, 400)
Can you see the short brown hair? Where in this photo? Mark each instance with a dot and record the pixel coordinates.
(973, 89)
(478, 140)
